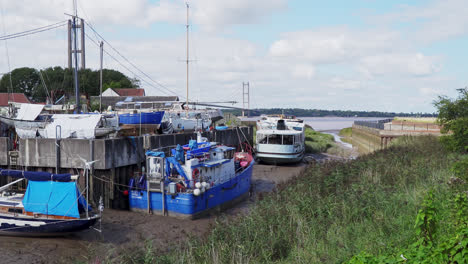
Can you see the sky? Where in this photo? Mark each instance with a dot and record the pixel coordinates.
(372, 55)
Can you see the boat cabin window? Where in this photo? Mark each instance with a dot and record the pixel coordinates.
(288, 139)
(274, 139)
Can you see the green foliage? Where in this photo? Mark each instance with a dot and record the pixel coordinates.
(453, 116)
(316, 142)
(460, 168)
(27, 80)
(346, 132)
(23, 80)
(432, 245)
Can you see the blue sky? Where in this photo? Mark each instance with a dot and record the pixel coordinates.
(356, 55)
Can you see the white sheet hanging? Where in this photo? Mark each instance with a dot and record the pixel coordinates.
(73, 126)
(29, 111)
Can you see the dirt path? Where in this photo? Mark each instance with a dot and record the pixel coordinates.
(124, 230)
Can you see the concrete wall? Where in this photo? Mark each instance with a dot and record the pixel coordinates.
(3, 151)
(118, 159)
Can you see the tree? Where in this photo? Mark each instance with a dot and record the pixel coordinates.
(453, 116)
(59, 82)
(23, 80)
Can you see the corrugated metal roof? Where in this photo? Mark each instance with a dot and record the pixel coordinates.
(130, 91)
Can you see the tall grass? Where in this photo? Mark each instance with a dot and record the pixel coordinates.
(316, 142)
(333, 211)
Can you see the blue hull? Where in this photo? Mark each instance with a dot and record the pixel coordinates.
(153, 118)
(185, 205)
(26, 226)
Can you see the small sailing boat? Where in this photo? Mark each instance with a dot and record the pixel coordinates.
(51, 205)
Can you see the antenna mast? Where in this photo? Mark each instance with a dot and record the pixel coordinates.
(187, 53)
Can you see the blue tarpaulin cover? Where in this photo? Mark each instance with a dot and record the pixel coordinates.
(36, 175)
(155, 154)
(176, 164)
(53, 198)
(179, 153)
(193, 144)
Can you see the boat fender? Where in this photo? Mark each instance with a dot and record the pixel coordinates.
(198, 185)
(195, 174)
(205, 185)
(196, 192)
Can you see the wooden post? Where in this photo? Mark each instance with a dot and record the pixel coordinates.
(91, 169)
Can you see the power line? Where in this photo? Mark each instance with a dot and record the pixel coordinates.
(121, 64)
(127, 60)
(33, 31)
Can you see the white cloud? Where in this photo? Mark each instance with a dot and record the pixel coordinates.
(215, 15)
(303, 71)
(413, 64)
(334, 45)
(438, 20)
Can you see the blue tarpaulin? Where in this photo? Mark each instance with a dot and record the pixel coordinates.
(53, 198)
(155, 154)
(176, 165)
(36, 175)
(179, 153)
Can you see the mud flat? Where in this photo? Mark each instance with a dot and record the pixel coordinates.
(123, 231)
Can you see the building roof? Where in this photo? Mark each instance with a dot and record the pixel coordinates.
(13, 97)
(112, 100)
(130, 91)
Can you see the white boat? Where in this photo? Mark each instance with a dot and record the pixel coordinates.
(29, 122)
(280, 139)
(187, 119)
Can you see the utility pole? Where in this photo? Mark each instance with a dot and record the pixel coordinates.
(245, 95)
(101, 48)
(187, 53)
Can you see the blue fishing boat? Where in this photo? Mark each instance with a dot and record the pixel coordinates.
(153, 118)
(50, 206)
(197, 178)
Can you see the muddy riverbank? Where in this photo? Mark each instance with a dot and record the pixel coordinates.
(123, 231)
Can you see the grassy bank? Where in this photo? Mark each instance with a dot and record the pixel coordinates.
(316, 142)
(336, 211)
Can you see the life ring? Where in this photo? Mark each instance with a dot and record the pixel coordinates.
(195, 174)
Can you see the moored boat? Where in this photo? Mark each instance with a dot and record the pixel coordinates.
(50, 206)
(280, 139)
(198, 178)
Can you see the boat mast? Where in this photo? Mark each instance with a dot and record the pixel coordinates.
(101, 47)
(187, 60)
(77, 89)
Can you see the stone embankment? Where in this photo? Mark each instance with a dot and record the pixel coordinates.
(371, 136)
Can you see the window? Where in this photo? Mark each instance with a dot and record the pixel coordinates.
(288, 140)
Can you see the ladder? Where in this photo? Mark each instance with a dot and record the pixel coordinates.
(155, 180)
